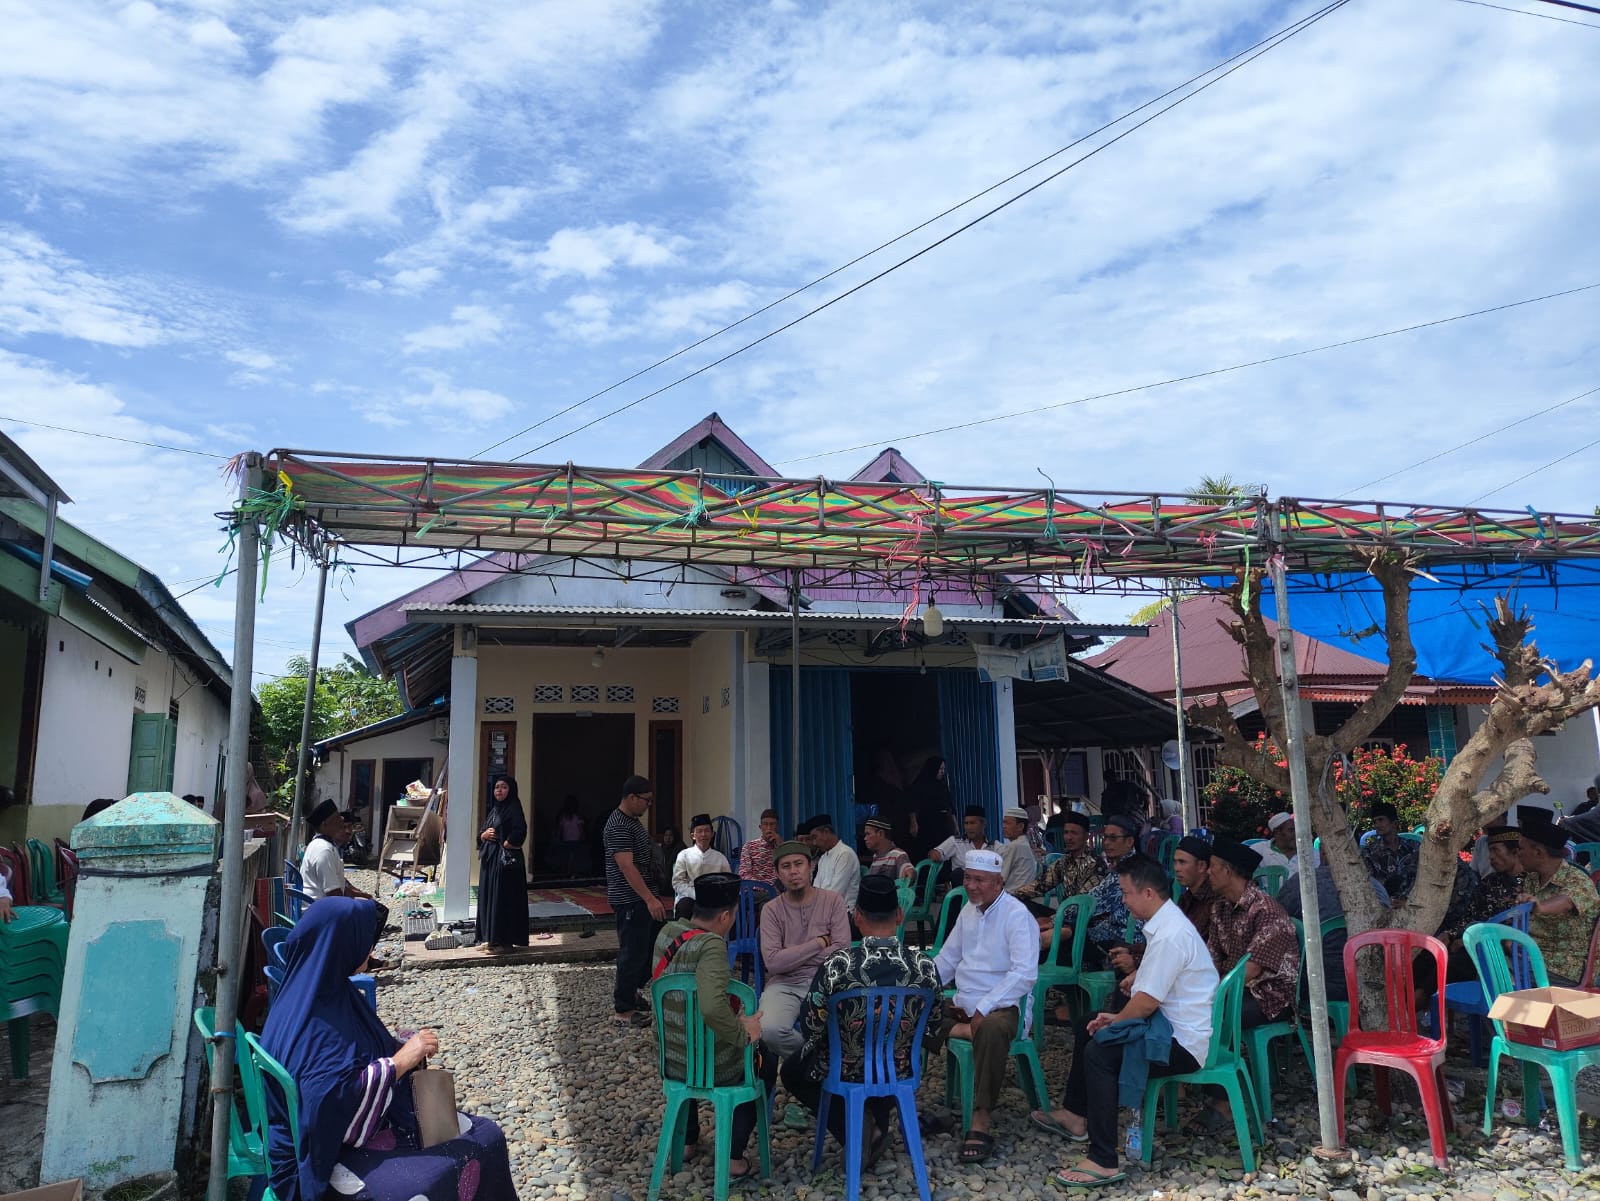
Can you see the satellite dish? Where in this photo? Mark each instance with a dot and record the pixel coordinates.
(1170, 755)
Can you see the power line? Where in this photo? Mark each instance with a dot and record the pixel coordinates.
(1522, 12)
(1535, 471)
(1474, 441)
(1583, 8)
(1261, 48)
(1184, 379)
(63, 429)
(900, 237)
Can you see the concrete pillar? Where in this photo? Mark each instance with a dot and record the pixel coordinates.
(1005, 743)
(116, 1082)
(459, 849)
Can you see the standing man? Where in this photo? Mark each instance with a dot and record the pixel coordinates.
(880, 960)
(838, 868)
(633, 890)
(798, 931)
(1564, 899)
(755, 857)
(322, 865)
(992, 956)
(887, 859)
(1018, 864)
(1176, 979)
(697, 859)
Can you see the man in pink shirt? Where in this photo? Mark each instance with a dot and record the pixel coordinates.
(799, 929)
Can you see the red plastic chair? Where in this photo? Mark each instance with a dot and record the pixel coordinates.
(1401, 1044)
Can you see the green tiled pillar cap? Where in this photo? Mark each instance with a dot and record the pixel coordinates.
(147, 823)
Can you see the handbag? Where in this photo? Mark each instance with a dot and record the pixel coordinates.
(433, 1094)
(510, 856)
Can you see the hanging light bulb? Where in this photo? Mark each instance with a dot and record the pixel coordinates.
(597, 660)
(932, 620)
(922, 669)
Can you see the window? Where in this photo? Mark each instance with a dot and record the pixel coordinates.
(666, 704)
(619, 694)
(548, 694)
(499, 704)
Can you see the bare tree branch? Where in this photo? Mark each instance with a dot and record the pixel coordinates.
(1394, 576)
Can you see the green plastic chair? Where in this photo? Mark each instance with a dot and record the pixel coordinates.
(1258, 1040)
(42, 866)
(247, 1155)
(699, 1083)
(1224, 1066)
(927, 879)
(256, 1067)
(1487, 944)
(1074, 912)
(1338, 1011)
(946, 920)
(906, 892)
(33, 958)
(1098, 986)
(1270, 879)
(958, 1076)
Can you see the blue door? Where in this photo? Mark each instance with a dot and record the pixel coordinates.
(827, 754)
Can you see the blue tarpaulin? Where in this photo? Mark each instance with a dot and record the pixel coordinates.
(1449, 622)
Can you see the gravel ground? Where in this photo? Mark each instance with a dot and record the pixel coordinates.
(581, 1105)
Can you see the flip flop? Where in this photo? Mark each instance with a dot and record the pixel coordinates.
(977, 1147)
(1063, 1179)
(1044, 1121)
(638, 1018)
(750, 1169)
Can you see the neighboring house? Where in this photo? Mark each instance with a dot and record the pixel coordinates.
(106, 686)
(1433, 717)
(367, 769)
(572, 674)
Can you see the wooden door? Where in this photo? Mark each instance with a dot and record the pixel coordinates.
(666, 773)
(497, 757)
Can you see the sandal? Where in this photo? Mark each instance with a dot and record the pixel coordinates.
(638, 1018)
(977, 1147)
(750, 1170)
(1042, 1119)
(1074, 1179)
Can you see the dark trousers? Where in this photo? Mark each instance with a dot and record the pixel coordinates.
(744, 1116)
(636, 936)
(797, 1080)
(1092, 1087)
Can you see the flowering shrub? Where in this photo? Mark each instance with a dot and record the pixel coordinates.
(1240, 804)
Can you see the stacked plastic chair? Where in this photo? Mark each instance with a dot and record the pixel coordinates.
(33, 958)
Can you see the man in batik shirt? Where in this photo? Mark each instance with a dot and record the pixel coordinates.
(879, 960)
(1078, 871)
(1390, 858)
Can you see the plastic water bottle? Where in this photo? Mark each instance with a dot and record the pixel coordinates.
(1134, 1143)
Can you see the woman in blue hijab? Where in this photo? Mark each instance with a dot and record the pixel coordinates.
(358, 1127)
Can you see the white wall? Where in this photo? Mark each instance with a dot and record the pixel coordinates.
(414, 742)
(1568, 760)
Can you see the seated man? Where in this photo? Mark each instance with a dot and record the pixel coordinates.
(1109, 926)
(1564, 899)
(880, 960)
(700, 945)
(1280, 849)
(1191, 867)
(1177, 980)
(799, 929)
(838, 866)
(322, 864)
(697, 859)
(953, 850)
(1392, 859)
(1078, 871)
(755, 857)
(992, 956)
(1246, 921)
(1329, 904)
(887, 859)
(1018, 864)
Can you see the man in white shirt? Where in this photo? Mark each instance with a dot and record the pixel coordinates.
(1280, 851)
(1017, 862)
(954, 850)
(322, 865)
(838, 867)
(697, 859)
(1177, 978)
(992, 956)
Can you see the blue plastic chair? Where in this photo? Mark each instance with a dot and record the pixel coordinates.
(296, 900)
(884, 1012)
(745, 937)
(292, 876)
(1466, 996)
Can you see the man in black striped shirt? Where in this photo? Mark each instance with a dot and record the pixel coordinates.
(634, 894)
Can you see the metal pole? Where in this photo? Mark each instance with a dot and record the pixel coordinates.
(230, 922)
(794, 694)
(1305, 849)
(298, 812)
(1191, 803)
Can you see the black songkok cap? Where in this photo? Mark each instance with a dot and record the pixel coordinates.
(1236, 855)
(878, 896)
(1196, 846)
(322, 813)
(716, 890)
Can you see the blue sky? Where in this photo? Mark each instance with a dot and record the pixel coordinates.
(421, 228)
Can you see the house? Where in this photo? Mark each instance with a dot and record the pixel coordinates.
(107, 685)
(572, 673)
(366, 768)
(1433, 717)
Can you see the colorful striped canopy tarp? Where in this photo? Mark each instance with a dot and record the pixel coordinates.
(811, 524)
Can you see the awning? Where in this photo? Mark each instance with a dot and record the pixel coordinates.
(1090, 708)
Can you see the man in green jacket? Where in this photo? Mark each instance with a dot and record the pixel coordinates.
(700, 945)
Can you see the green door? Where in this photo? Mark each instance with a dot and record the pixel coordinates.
(150, 760)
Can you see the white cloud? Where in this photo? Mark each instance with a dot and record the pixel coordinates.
(469, 325)
(583, 318)
(443, 404)
(593, 252)
(43, 291)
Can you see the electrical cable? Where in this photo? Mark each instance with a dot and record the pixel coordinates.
(1522, 12)
(1263, 47)
(63, 429)
(1184, 379)
(1535, 471)
(1474, 441)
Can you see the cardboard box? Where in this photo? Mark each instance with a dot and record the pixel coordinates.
(67, 1190)
(1557, 1018)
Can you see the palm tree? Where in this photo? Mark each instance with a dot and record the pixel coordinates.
(1210, 490)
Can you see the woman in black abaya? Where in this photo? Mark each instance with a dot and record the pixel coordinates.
(502, 871)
